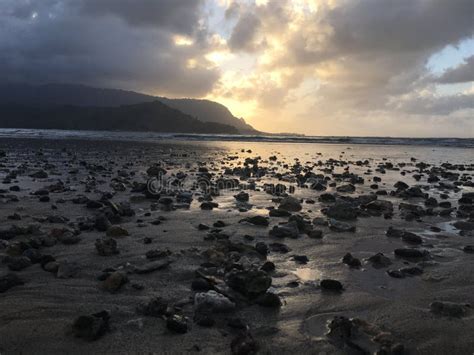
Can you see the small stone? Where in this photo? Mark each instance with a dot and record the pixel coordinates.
(155, 307)
(115, 281)
(331, 285)
(348, 259)
(8, 281)
(290, 204)
(106, 246)
(91, 327)
(213, 302)
(244, 344)
(117, 231)
(177, 324)
(269, 299)
(449, 309)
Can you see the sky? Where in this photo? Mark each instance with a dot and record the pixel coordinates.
(316, 67)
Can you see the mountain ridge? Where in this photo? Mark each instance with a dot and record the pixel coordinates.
(88, 96)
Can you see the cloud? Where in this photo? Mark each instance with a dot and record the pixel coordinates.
(107, 43)
(243, 37)
(180, 16)
(463, 73)
(363, 58)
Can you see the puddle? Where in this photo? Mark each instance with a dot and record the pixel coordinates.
(308, 274)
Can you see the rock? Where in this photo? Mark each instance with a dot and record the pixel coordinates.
(301, 259)
(407, 237)
(256, 220)
(250, 283)
(67, 270)
(242, 196)
(331, 285)
(106, 247)
(203, 227)
(327, 198)
(213, 302)
(41, 174)
(288, 230)
(464, 225)
(411, 253)
(157, 254)
(338, 226)
(117, 231)
(208, 205)
(17, 263)
(449, 309)
(348, 259)
(469, 249)
(411, 238)
(244, 344)
(355, 336)
(102, 223)
(342, 211)
(91, 327)
(268, 266)
(152, 266)
(279, 213)
(400, 185)
(262, 248)
(269, 299)
(155, 307)
(290, 204)
(315, 234)
(8, 281)
(115, 281)
(349, 188)
(201, 284)
(177, 324)
(279, 248)
(379, 260)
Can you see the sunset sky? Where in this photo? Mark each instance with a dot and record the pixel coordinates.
(318, 67)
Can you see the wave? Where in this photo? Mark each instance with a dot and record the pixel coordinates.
(154, 137)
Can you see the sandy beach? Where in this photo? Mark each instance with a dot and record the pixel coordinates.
(235, 247)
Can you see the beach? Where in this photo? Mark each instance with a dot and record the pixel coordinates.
(217, 247)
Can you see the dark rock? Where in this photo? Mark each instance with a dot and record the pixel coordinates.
(315, 234)
(115, 281)
(279, 213)
(91, 327)
(262, 248)
(269, 299)
(348, 259)
(106, 246)
(338, 226)
(342, 211)
(331, 285)
(301, 259)
(8, 281)
(201, 284)
(244, 344)
(256, 220)
(449, 309)
(17, 263)
(411, 253)
(290, 204)
(177, 324)
(288, 230)
(155, 307)
(250, 283)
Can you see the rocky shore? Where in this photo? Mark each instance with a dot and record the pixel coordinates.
(123, 247)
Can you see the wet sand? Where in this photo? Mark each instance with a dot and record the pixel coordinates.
(67, 187)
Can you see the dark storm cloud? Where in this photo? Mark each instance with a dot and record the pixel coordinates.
(176, 15)
(463, 73)
(106, 43)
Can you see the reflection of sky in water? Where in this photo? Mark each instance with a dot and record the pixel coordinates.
(308, 274)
